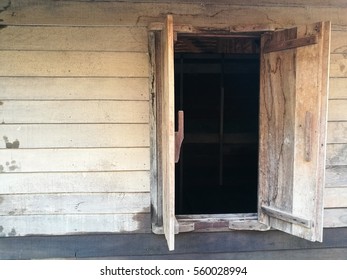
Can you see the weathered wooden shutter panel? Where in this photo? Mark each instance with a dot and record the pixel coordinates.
(168, 133)
(293, 108)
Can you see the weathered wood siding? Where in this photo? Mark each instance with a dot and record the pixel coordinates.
(75, 105)
(74, 147)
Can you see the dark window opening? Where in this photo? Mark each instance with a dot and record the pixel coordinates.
(217, 86)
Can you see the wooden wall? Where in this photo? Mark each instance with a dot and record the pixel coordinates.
(75, 108)
(74, 113)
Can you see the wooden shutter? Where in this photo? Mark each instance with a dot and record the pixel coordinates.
(293, 111)
(168, 131)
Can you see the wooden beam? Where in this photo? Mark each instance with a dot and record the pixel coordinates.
(290, 44)
(287, 217)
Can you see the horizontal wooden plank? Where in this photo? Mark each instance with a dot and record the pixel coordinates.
(72, 64)
(41, 88)
(73, 160)
(141, 14)
(337, 88)
(75, 135)
(336, 154)
(338, 41)
(336, 176)
(335, 217)
(78, 203)
(337, 132)
(141, 245)
(338, 3)
(338, 65)
(335, 197)
(51, 38)
(88, 182)
(72, 111)
(289, 254)
(337, 110)
(74, 224)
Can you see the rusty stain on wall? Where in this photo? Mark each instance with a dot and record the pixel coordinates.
(1, 103)
(11, 145)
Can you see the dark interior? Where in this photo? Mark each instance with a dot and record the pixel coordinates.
(217, 86)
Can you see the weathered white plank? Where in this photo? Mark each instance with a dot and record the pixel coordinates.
(337, 110)
(74, 224)
(335, 217)
(337, 132)
(338, 88)
(78, 203)
(73, 111)
(40, 88)
(336, 154)
(338, 65)
(69, 160)
(87, 182)
(67, 63)
(335, 197)
(74, 38)
(75, 135)
(336, 176)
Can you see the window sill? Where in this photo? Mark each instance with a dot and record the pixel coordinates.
(215, 223)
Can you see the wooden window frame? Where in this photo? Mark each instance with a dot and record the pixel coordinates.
(268, 216)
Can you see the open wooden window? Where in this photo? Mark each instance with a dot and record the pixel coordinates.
(290, 138)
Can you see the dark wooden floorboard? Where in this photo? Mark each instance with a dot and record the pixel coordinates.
(305, 254)
(189, 245)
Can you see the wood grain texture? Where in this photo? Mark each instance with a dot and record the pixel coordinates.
(40, 88)
(336, 176)
(75, 135)
(337, 132)
(337, 88)
(337, 110)
(335, 197)
(338, 3)
(277, 121)
(72, 64)
(73, 111)
(74, 160)
(292, 153)
(80, 182)
(335, 217)
(74, 224)
(289, 254)
(53, 38)
(193, 245)
(339, 41)
(168, 131)
(336, 154)
(78, 203)
(141, 14)
(338, 66)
